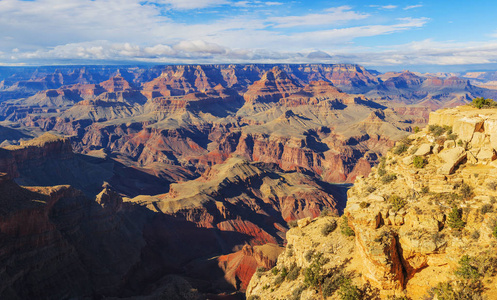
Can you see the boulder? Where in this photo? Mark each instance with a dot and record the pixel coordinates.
(449, 144)
(491, 130)
(486, 155)
(452, 158)
(467, 126)
(423, 150)
(478, 139)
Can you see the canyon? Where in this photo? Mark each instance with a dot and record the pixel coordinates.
(180, 181)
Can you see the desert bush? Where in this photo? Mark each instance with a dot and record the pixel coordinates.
(401, 148)
(475, 235)
(452, 136)
(454, 219)
(293, 273)
(327, 212)
(345, 228)
(481, 102)
(275, 271)
(279, 280)
(308, 255)
(349, 291)
(254, 297)
(436, 130)
(419, 162)
(397, 202)
(492, 185)
(289, 250)
(382, 172)
(292, 224)
(466, 191)
(329, 228)
(425, 190)
(297, 292)
(313, 276)
(370, 189)
(364, 204)
(388, 178)
(284, 272)
(486, 208)
(332, 283)
(466, 270)
(416, 129)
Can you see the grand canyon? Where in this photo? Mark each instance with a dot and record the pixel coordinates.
(182, 181)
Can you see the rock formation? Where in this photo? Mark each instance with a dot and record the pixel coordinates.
(422, 222)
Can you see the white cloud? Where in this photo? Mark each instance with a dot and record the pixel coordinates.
(389, 6)
(334, 15)
(413, 6)
(193, 4)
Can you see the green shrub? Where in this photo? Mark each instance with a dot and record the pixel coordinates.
(416, 129)
(425, 190)
(492, 185)
(308, 255)
(481, 102)
(486, 208)
(313, 276)
(419, 162)
(332, 284)
(388, 178)
(284, 272)
(345, 228)
(364, 204)
(494, 231)
(329, 228)
(466, 270)
(452, 136)
(397, 202)
(436, 130)
(454, 219)
(401, 148)
(348, 291)
(293, 273)
(254, 297)
(327, 212)
(370, 189)
(279, 280)
(382, 171)
(292, 224)
(466, 191)
(275, 271)
(297, 292)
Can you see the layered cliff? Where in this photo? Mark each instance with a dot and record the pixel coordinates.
(421, 225)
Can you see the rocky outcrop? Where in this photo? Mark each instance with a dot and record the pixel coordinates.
(274, 85)
(425, 211)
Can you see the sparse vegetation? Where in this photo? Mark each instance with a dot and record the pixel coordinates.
(327, 212)
(254, 297)
(388, 178)
(348, 291)
(370, 189)
(364, 204)
(416, 129)
(292, 224)
(313, 276)
(466, 191)
(481, 102)
(401, 148)
(308, 255)
(345, 228)
(436, 130)
(329, 228)
(419, 162)
(397, 202)
(293, 273)
(454, 219)
(492, 185)
(486, 208)
(466, 270)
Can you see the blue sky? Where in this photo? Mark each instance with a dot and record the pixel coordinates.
(387, 34)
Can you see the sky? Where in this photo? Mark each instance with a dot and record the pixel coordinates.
(396, 34)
